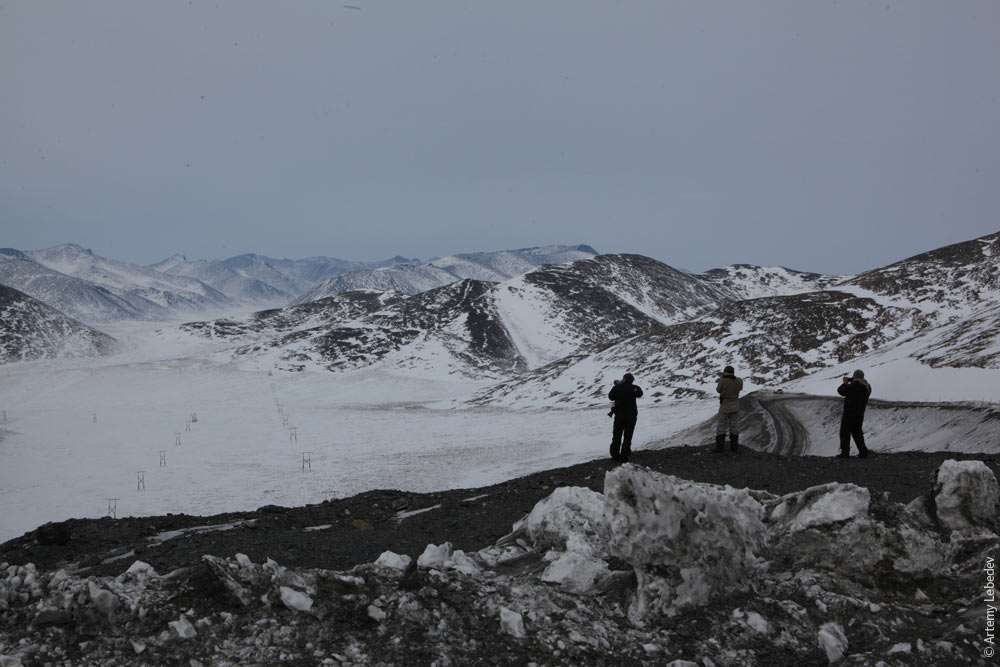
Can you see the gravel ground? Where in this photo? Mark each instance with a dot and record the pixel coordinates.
(342, 533)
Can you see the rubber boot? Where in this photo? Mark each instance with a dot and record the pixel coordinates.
(734, 442)
(720, 443)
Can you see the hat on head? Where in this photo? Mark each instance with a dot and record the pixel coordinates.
(728, 369)
(858, 375)
(628, 377)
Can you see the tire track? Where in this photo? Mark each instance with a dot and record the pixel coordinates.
(789, 437)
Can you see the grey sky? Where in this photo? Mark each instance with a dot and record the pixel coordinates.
(825, 136)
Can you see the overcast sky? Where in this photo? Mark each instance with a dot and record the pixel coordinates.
(824, 136)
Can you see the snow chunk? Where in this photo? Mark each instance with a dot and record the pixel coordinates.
(105, 601)
(511, 622)
(678, 535)
(575, 572)
(833, 640)
(443, 558)
(752, 620)
(183, 628)
(141, 568)
(393, 560)
(571, 518)
(294, 599)
(966, 495)
(820, 505)
(435, 556)
(376, 613)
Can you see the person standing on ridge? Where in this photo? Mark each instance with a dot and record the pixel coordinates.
(729, 387)
(624, 393)
(855, 390)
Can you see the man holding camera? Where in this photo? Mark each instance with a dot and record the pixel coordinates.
(729, 387)
(626, 413)
(855, 390)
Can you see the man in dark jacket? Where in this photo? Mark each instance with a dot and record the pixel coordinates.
(855, 391)
(624, 394)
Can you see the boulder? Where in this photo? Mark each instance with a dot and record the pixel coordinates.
(678, 535)
(966, 496)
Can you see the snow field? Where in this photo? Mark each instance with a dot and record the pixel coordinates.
(363, 431)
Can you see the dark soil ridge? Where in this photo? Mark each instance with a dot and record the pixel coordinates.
(354, 530)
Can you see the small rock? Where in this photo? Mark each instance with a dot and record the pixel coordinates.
(410, 581)
(361, 524)
(51, 617)
(900, 648)
(375, 613)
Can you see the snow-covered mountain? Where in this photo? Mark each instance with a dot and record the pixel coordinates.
(478, 328)
(307, 272)
(943, 305)
(559, 310)
(29, 330)
(216, 273)
(948, 283)
(447, 330)
(137, 285)
(416, 278)
(771, 341)
(264, 281)
(78, 298)
(747, 281)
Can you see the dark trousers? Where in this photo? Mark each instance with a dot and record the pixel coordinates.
(850, 427)
(621, 437)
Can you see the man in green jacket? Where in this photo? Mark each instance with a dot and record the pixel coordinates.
(729, 387)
